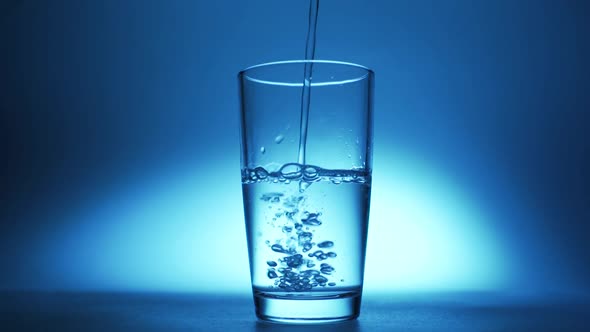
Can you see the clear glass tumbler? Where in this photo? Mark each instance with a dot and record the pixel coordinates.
(306, 207)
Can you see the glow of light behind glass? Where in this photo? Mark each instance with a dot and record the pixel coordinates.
(426, 234)
(183, 232)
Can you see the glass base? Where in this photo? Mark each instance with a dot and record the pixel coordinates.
(307, 308)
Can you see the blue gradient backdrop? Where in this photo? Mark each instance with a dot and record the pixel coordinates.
(120, 153)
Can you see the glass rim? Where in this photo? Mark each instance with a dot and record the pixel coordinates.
(368, 72)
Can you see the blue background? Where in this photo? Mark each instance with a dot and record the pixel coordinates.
(120, 150)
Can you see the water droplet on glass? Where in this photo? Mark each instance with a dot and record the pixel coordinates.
(279, 139)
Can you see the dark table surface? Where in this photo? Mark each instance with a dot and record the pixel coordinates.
(67, 311)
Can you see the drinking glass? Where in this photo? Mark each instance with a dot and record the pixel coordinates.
(306, 184)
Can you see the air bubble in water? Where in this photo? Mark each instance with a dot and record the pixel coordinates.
(359, 180)
(303, 185)
(279, 248)
(299, 227)
(261, 173)
(309, 273)
(310, 173)
(316, 254)
(279, 139)
(311, 219)
(321, 279)
(326, 269)
(271, 197)
(304, 238)
(291, 171)
(292, 202)
(294, 261)
(262, 150)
